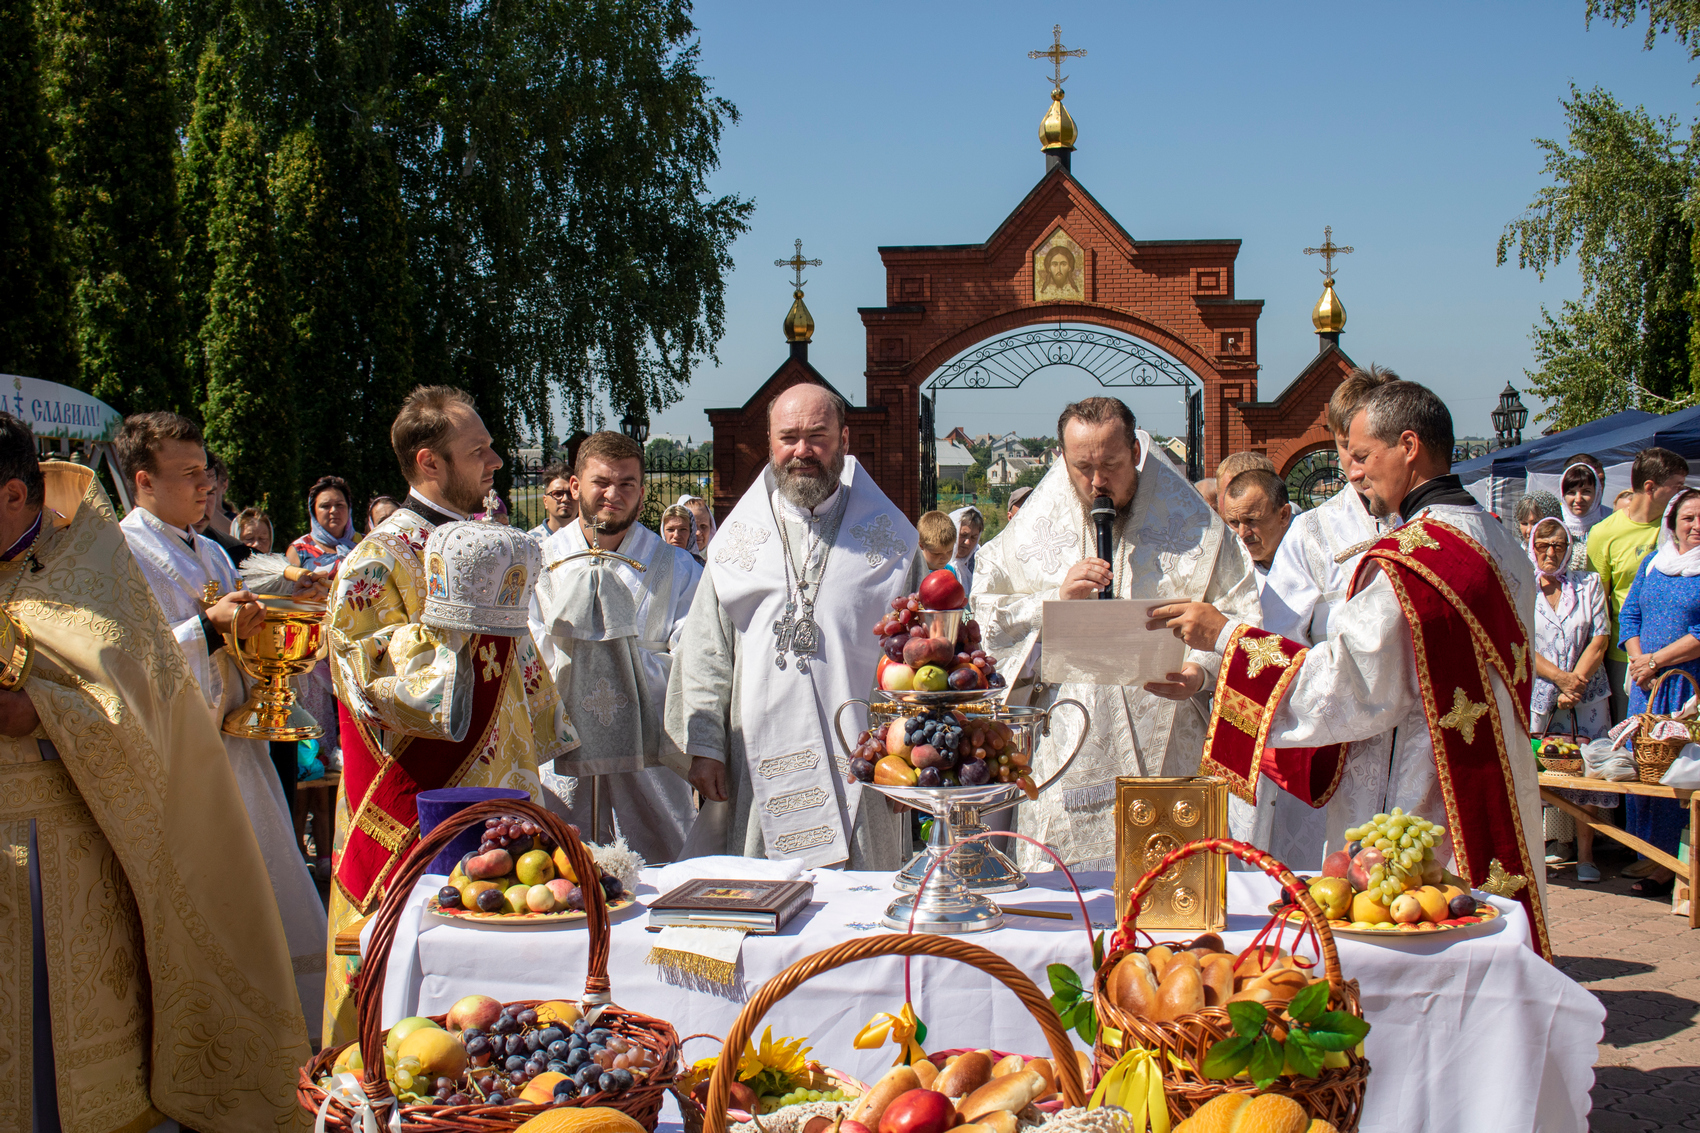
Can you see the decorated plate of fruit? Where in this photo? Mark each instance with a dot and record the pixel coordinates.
(1387, 883)
(933, 652)
(772, 1076)
(519, 879)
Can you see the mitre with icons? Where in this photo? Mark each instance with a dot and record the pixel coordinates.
(479, 575)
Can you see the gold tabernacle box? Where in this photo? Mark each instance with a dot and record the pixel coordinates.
(1155, 816)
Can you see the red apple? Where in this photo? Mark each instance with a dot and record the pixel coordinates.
(848, 1126)
(1337, 864)
(918, 1111)
(896, 743)
(896, 677)
(478, 1011)
(942, 590)
(1358, 872)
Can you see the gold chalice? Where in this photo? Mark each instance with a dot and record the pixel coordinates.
(288, 644)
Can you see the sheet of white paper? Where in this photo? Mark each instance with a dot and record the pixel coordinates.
(1105, 642)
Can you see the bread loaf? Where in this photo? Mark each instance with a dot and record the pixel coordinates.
(871, 1105)
(963, 1075)
(926, 1071)
(1206, 945)
(1251, 1113)
(1043, 1066)
(1159, 955)
(1282, 983)
(1008, 1064)
(1012, 1092)
(1182, 993)
(997, 1121)
(1132, 989)
(1218, 974)
(1179, 960)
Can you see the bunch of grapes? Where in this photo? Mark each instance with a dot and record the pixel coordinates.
(1406, 843)
(503, 831)
(770, 1102)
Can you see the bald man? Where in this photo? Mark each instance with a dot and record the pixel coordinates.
(777, 638)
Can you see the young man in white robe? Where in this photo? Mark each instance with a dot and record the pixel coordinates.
(165, 461)
(778, 638)
(1168, 544)
(606, 615)
(1390, 711)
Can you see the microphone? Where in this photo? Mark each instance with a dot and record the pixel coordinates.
(1103, 517)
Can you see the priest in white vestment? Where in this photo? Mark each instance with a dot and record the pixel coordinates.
(1363, 687)
(606, 615)
(1168, 544)
(163, 457)
(779, 636)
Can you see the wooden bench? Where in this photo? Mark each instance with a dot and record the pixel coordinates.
(1550, 781)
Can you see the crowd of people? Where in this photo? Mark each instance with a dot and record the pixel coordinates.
(676, 688)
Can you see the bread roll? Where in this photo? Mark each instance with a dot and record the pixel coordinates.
(1255, 962)
(1179, 960)
(1008, 1064)
(997, 1121)
(1206, 944)
(1248, 1113)
(1132, 989)
(1217, 971)
(1251, 995)
(1012, 1092)
(1283, 983)
(871, 1105)
(1182, 993)
(1043, 1066)
(1159, 955)
(927, 1071)
(963, 1075)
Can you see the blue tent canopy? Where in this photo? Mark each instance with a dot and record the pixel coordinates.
(1679, 432)
(1509, 463)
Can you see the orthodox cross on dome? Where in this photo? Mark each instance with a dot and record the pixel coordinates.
(1056, 53)
(797, 263)
(1328, 251)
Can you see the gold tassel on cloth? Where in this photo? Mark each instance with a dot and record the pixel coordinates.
(703, 959)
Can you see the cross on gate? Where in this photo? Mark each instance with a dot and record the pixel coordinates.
(1056, 53)
(797, 263)
(1328, 251)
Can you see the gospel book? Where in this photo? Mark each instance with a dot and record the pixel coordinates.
(760, 907)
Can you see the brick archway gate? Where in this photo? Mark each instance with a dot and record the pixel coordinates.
(1060, 257)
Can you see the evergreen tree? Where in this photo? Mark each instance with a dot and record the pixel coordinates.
(196, 190)
(112, 117)
(35, 337)
(250, 406)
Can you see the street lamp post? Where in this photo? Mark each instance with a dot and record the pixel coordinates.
(635, 424)
(1509, 418)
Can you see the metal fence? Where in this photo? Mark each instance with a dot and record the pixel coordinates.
(665, 479)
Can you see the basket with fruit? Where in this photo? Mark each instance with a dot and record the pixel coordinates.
(1559, 752)
(932, 647)
(488, 1067)
(1387, 882)
(775, 1080)
(899, 1102)
(1218, 1023)
(520, 878)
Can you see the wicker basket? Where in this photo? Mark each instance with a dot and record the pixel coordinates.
(691, 1111)
(948, 947)
(1560, 766)
(1654, 757)
(642, 1102)
(1336, 1095)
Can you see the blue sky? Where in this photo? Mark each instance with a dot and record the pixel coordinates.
(1406, 126)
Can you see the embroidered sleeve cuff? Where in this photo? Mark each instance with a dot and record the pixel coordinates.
(1221, 645)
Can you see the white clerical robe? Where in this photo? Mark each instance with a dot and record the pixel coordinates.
(1169, 547)
(1303, 587)
(613, 678)
(790, 794)
(178, 565)
(1360, 688)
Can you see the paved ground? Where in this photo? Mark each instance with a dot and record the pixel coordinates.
(1644, 964)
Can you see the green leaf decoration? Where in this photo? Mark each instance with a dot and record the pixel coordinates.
(1248, 1017)
(1098, 951)
(920, 1031)
(1061, 1003)
(1228, 1057)
(1063, 979)
(1303, 1055)
(1268, 1059)
(1308, 1004)
(1086, 1021)
(1342, 1022)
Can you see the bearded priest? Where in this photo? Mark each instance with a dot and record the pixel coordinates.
(421, 708)
(606, 614)
(778, 637)
(1168, 544)
(1419, 698)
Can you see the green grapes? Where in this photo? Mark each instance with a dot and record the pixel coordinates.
(1406, 842)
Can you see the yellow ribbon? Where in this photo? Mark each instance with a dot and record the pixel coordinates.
(899, 1028)
(1135, 1083)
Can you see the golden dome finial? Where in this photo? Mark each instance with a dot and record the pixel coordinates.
(799, 324)
(1056, 129)
(1329, 314)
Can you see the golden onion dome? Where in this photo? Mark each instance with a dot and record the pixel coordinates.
(799, 324)
(1329, 314)
(1056, 130)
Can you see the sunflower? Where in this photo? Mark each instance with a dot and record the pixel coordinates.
(772, 1068)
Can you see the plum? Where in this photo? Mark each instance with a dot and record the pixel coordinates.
(1462, 905)
(974, 773)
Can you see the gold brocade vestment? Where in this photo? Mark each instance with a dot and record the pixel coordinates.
(170, 984)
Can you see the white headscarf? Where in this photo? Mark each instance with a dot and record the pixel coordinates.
(1566, 585)
(702, 536)
(965, 566)
(1579, 525)
(1666, 560)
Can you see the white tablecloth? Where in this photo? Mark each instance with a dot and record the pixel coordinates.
(1471, 1031)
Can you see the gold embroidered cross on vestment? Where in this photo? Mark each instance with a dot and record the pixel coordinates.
(1262, 652)
(1463, 716)
(1412, 536)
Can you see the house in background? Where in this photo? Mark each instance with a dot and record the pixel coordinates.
(954, 459)
(1008, 469)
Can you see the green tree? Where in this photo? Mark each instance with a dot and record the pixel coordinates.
(1618, 201)
(1038, 446)
(197, 189)
(35, 336)
(1678, 17)
(250, 406)
(106, 83)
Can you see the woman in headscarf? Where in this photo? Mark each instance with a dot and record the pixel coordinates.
(331, 534)
(969, 524)
(705, 521)
(1583, 486)
(1660, 629)
(1572, 629)
(1533, 508)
